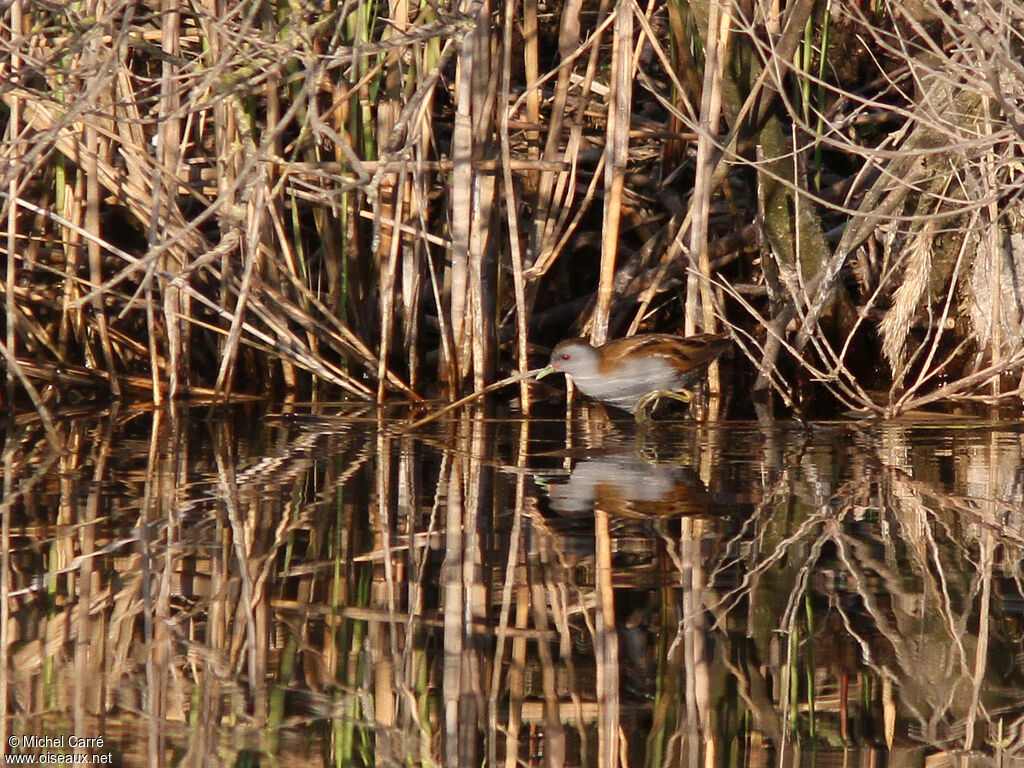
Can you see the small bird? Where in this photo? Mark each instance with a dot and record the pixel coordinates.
(635, 372)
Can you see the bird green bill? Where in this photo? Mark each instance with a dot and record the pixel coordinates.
(541, 373)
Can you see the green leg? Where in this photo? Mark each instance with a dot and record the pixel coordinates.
(651, 399)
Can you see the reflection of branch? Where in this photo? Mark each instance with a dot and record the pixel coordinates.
(965, 506)
(920, 685)
(752, 688)
(781, 551)
(981, 652)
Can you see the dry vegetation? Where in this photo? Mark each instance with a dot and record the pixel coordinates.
(313, 199)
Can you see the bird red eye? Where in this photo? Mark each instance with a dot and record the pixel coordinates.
(565, 355)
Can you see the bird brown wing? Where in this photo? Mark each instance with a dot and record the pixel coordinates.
(702, 348)
(696, 350)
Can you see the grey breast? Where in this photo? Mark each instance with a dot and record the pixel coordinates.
(636, 377)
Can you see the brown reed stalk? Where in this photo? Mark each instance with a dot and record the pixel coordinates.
(719, 24)
(616, 151)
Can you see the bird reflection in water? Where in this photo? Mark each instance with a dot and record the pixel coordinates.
(625, 484)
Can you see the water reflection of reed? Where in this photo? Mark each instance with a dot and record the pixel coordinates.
(338, 591)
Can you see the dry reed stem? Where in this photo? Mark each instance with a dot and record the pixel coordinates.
(606, 647)
(476, 395)
(462, 218)
(508, 186)
(719, 23)
(514, 572)
(551, 231)
(617, 124)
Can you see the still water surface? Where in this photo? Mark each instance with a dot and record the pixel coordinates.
(243, 587)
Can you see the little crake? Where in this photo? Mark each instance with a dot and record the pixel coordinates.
(635, 372)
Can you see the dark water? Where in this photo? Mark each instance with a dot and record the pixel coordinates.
(241, 588)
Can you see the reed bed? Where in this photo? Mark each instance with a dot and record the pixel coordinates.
(226, 197)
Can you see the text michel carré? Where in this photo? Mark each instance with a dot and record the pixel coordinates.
(60, 742)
